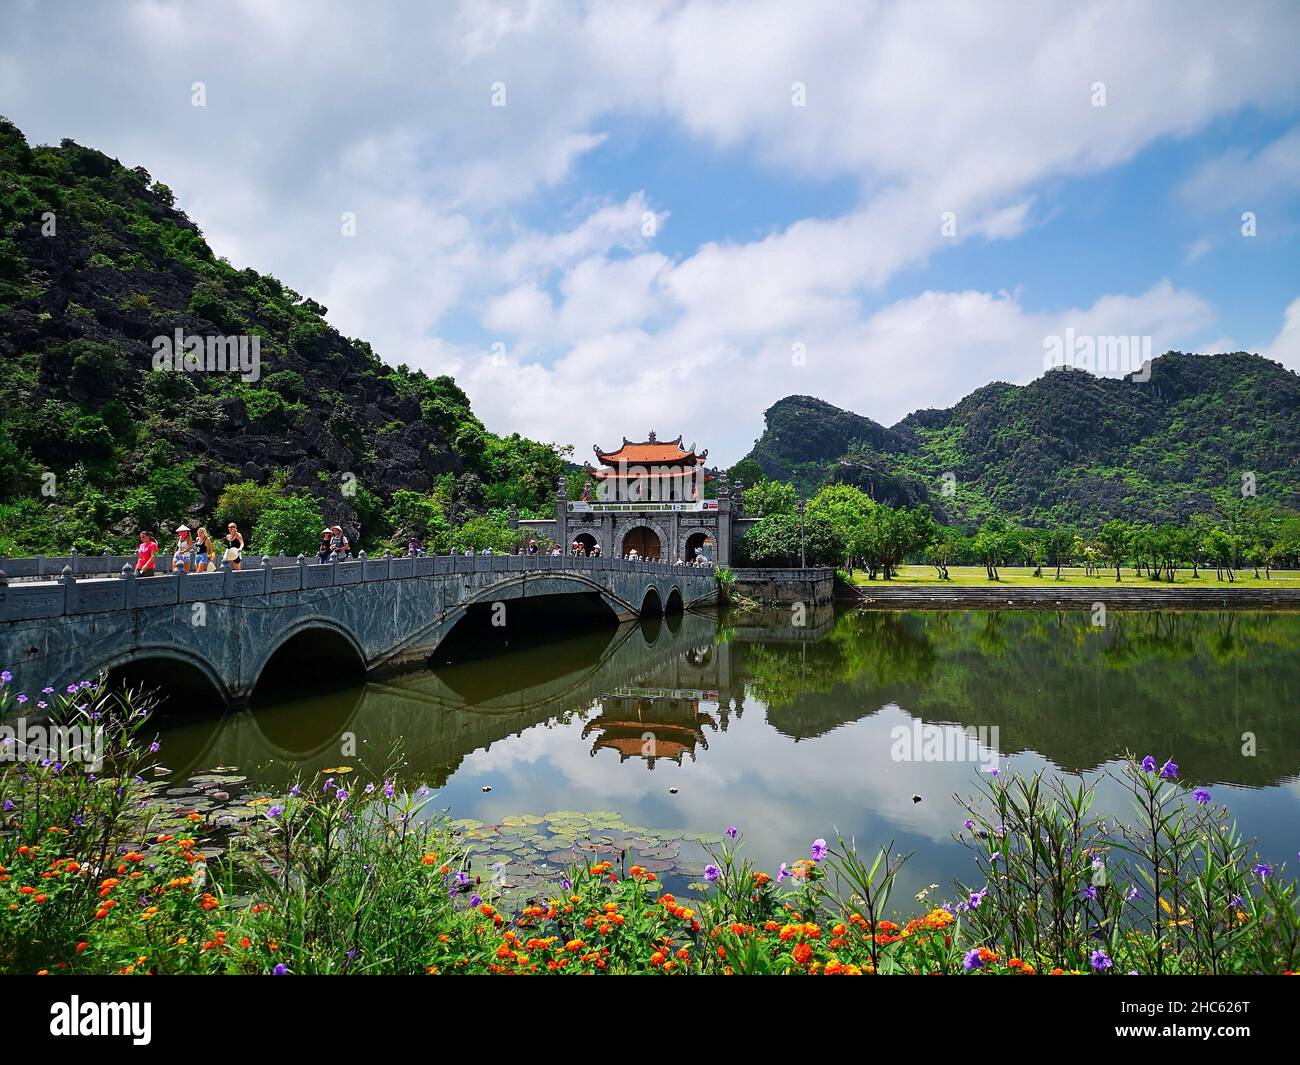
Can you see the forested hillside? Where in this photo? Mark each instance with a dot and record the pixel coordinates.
(96, 263)
(1067, 448)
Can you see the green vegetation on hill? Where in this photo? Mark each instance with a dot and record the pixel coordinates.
(1069, 448)
(95, 443)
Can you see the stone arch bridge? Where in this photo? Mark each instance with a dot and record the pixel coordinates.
(227, 625)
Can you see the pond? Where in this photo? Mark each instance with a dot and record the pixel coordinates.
(791, 732)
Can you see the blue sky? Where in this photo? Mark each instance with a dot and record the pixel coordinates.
(607, 218)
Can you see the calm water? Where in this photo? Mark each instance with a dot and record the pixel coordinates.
(786, 732)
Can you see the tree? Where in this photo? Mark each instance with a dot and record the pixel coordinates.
(943, 546)
(990, 545)
(243, 503)
(888, 536)
(484, 531)
(766, 498)
(847, 509)
(290, 525)
(1113, 541)
(421, 516)
(1060, 542)
(774, 541)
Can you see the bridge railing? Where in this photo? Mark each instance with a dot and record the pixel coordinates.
(113, 585)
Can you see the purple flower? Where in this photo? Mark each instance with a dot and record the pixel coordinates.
(1169, 770)
(1236, 902)
(782, 873)
(968, 824)
(6, 677)
(732, 832)
(154, 747)
(711, 872)
(274, 812)
(475, 901)
(972, 960)
(1100, 961)
(993, 772)
(462, 878)
(9, 805)
(1133, 893)
(369, 788)
(1262, 871)
(388, 789)
(280, 970)
(818, 850)
(341, 795)
(1090, 892)
(1148, 764)
(976, 898)
(567, 884)
(1201, 795)
(295, 792)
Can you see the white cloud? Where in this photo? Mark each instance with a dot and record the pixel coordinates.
(1285, 347)
(387, 112)
(1241, 180)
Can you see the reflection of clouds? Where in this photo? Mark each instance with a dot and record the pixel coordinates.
(786, 794)
(782, 794)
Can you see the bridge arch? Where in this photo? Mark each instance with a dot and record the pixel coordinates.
(516, 585)
(652, 604)
(181, 678)
(674, 604)
(314, 641)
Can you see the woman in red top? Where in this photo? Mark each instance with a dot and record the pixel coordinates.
(145, 555)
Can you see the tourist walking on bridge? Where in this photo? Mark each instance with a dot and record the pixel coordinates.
(234, 545)
(205, 554)
(340, 549)
(145, 554)
(183, 556)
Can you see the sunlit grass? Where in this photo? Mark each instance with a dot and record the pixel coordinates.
(1075, 576)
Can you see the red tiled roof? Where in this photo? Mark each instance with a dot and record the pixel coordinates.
(645, 452)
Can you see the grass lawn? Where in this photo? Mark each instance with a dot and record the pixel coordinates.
(1024, 575)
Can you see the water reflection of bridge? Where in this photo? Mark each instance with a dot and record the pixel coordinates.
(439, 717)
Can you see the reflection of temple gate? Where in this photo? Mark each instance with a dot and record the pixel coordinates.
(652, 723)
(642, 540)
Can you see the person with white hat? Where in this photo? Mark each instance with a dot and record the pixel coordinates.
(183, 556)
(340, 549)
(323, 548)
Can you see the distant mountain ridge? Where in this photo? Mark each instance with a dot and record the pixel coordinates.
(1068, 447)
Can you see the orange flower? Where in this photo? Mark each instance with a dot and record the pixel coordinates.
(802, 954)
(82, 946)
